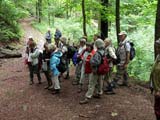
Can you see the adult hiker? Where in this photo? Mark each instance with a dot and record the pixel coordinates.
(95, 81)
(33, 60)
(64, 49)
(155, 81)
(80, 53)
(48, 36)
(123, 54)
(54, 62)
(111, 55)
(86, 66)
(57, 36)
(30, 40)
(45, 65)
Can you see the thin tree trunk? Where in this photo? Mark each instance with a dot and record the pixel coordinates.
(84, 18)
(157, 27)
(49, 17)
(37, 16)
(104, 22)
(67, 9)
(40, 10)
(117, 19)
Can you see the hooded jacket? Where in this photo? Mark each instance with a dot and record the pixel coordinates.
(54, 61)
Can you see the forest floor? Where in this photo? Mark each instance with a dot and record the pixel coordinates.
(21, 101)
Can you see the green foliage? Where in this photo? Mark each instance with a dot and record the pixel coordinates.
(9, 15)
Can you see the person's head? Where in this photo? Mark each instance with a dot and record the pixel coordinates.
(107, 42)
(89, 47)
(99, 43)
(122, 35)
(63, 40)
(46, 46)
(82, 42)
(49, 30)
(85, 37)
(32, 45)
(52, 47)
(30, 40)
(96, 36)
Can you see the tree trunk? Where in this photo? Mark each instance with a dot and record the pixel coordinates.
(157, 27)
(37, 16)
(117, 19)
(67, 9)
(40, 10)
(49, 17)
(104, 22)
(84, 18)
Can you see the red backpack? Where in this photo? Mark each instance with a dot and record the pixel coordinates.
(104, 66)
(87, 63)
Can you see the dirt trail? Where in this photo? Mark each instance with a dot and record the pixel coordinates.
(20, 101)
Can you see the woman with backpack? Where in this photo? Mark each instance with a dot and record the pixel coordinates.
(95, 81)
(111, 55)
(54, 62)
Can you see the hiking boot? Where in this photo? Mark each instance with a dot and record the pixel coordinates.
(85, 101)
(109, 92)
(51, 88)
(67, 77)
(75, 83)
(98, 96)
(56, 91)
(124, 84)
(46, 87)
(80, 88)
(31, 83)
(39, 82)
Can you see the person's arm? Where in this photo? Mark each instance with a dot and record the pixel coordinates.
(112, 53)
(35, 54)
(127, 47)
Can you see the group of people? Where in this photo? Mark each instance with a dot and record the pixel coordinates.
(87, 58)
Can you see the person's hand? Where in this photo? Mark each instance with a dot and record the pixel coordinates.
(157, 93)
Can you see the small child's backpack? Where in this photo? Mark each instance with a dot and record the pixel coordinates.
(104, 66)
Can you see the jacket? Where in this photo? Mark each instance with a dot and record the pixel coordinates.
(54, 61)
(33, 56)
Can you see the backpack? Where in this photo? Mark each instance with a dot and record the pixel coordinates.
(88, 68)
(62, 66)
(104, 66)
(71, 51)
(132, 50)
(40, 58)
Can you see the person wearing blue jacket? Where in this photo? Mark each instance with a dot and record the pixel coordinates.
(54, 61)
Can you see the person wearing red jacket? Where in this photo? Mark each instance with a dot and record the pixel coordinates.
(86, 68)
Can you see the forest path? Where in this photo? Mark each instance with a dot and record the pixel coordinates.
(20, 101)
